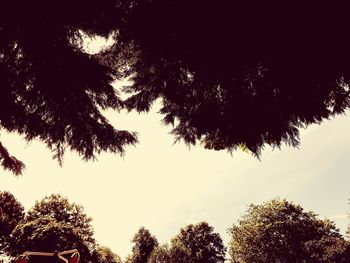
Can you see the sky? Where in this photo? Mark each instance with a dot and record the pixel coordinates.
(164, 186)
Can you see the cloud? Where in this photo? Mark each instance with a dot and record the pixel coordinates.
(339, 216)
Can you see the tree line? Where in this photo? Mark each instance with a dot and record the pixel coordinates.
(275, 231)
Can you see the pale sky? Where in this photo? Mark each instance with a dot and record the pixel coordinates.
(165, 187)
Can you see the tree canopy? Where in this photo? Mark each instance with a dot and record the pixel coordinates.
(61, 210)
(275, 231)
(144, 243)
(104, 254)
(229, 74)
(160, 254)
(194, 244)
(54, 224)
(51, 89)
(280, 231)
(11, 213)
(47, 234)
(233, 73)
(197, 244)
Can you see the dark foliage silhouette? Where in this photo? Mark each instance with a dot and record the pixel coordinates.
(11, 213)
(238, 73)
(50, 89)
(229, 74)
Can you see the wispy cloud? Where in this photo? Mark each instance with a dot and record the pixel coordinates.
(339, 216)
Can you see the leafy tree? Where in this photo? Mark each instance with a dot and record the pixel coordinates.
(280, 231)
(104, 254)
(54, 224)
(197, 244)
(11, 213)
(160, 254)
(62, 210)
(328, 249)
(48, 234)
(180, 253)
(144, 243)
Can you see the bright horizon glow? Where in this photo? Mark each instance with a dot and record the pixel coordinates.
(165, 187)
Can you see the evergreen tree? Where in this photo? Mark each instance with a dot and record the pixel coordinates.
(229, 73)
(236, 73)
(51, 90)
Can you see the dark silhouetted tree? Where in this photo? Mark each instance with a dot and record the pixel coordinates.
(229, 73)
(11, 213)
(197, 244)
(238, 73)
(54, 224)
(51, 89)
(280, 231)
(144, 243)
